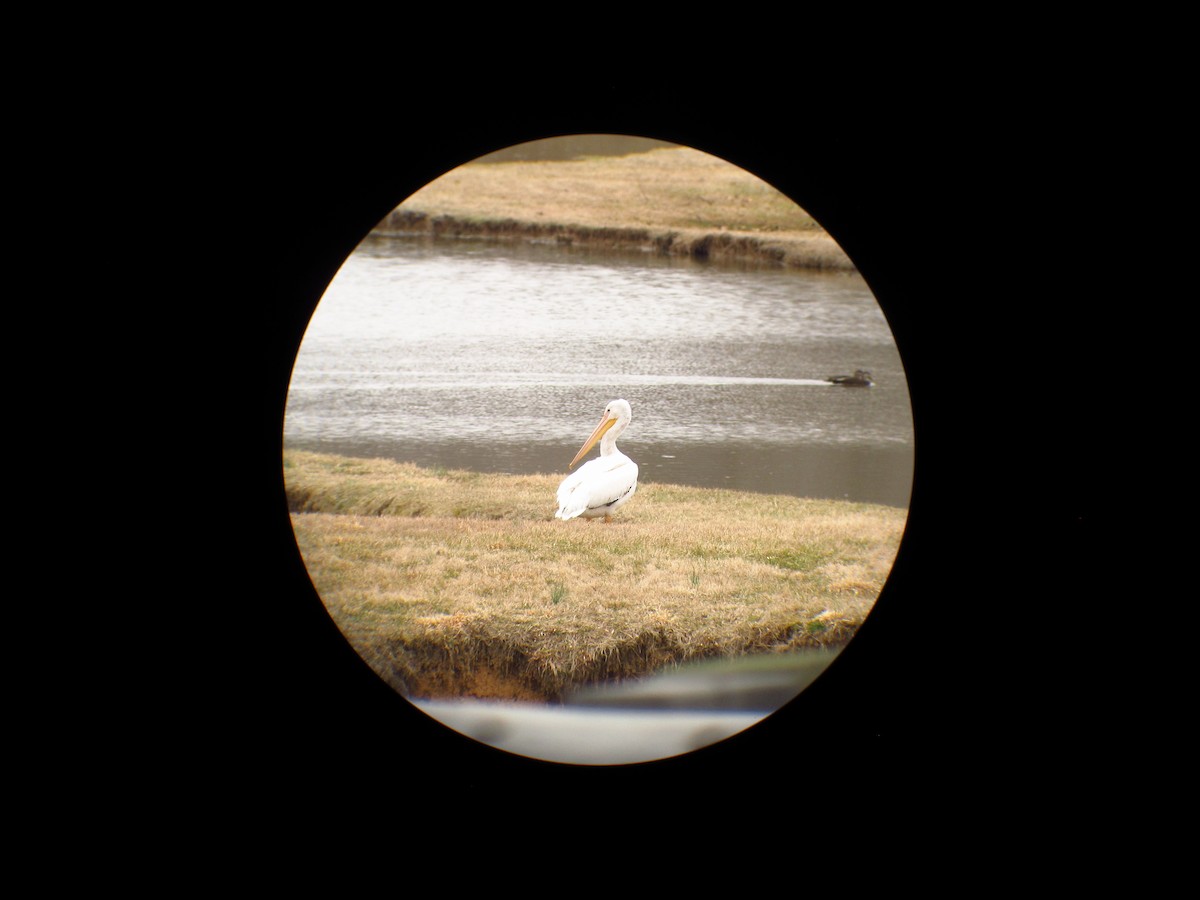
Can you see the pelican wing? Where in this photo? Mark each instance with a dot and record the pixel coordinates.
(598, 487)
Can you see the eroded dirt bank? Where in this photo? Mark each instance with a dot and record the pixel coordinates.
(815, 251)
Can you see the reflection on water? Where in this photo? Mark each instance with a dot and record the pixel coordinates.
(589, 736)
(500, 358)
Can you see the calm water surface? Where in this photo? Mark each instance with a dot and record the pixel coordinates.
(501, 358)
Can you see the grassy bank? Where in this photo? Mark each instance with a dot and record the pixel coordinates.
(454, 583)
(671, 201)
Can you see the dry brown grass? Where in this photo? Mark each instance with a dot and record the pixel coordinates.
(458, 583)
(677, 200)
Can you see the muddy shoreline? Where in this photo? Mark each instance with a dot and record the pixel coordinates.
(817, 251)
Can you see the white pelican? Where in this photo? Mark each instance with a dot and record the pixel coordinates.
(605, 484)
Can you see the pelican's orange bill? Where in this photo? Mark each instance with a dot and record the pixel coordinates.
(604, 425)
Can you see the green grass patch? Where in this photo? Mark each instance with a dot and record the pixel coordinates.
(796, 559)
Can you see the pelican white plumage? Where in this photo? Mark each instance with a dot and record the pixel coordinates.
(605, 484)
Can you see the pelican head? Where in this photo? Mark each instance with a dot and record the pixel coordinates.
(616, 416)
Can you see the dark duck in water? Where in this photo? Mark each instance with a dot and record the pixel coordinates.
(860, 378)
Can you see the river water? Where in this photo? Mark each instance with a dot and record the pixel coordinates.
(501, 358)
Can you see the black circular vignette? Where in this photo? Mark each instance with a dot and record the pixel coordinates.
(908, 690)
